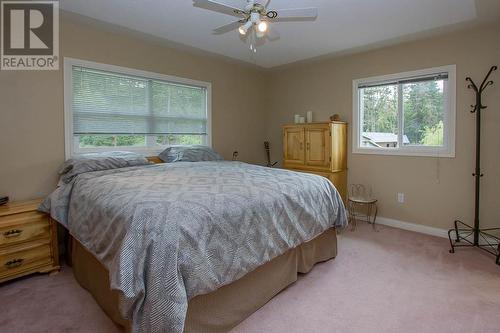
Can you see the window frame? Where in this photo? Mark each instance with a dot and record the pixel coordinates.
(449, 121)
(71, 149)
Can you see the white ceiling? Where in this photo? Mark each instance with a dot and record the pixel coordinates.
(341, 25)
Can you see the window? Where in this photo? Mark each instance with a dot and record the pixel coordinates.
(115, 108)
(410, 113)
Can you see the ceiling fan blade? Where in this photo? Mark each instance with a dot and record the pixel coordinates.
(226, 28)
(297, 13)
(218, 7)
(272, 34)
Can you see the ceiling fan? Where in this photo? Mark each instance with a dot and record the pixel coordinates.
(255, 17)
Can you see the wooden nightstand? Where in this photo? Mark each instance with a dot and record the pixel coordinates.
(28, 241)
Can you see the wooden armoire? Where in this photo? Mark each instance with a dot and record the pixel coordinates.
(319, 148)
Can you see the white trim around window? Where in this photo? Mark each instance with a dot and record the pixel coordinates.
(69, 63)
(448, 147)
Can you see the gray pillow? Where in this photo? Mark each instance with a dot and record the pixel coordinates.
(193, 153)
(99, 161)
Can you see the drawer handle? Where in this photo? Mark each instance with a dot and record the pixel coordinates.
(14, 263)
(12, 233)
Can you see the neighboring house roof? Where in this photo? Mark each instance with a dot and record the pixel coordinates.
(378, 137)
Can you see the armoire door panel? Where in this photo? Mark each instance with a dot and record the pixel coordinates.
(318, 146)
(293, 145)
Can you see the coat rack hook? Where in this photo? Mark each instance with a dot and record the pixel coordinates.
(489, 83)
(472, 85)
(484, 84)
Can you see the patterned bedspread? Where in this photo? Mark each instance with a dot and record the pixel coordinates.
(169, 232)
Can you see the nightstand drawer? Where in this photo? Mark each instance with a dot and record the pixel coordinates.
(16, 259)
(23, 227)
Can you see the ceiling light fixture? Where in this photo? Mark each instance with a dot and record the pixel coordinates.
(244, 28)
(262, 27)
(257, 16)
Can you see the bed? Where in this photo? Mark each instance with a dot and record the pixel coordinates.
(194, 247)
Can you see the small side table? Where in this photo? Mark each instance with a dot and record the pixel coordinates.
(358, 201)
(28, 241)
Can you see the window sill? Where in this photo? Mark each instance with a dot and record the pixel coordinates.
(405, 152)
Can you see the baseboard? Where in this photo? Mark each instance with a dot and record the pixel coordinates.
(423, 229)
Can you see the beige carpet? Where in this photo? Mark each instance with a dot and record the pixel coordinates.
(387, 281)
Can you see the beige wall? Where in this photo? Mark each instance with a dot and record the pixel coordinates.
(31, 103)
(437, 190)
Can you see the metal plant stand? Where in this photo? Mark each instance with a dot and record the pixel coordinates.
(485, 239)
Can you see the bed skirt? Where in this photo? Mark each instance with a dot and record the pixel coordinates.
(223, 309)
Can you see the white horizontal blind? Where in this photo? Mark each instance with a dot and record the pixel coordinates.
(114, 103)
(408, 80)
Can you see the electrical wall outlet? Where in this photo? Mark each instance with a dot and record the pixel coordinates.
(401, 197)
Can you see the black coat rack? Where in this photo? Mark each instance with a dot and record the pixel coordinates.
(481, 238)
